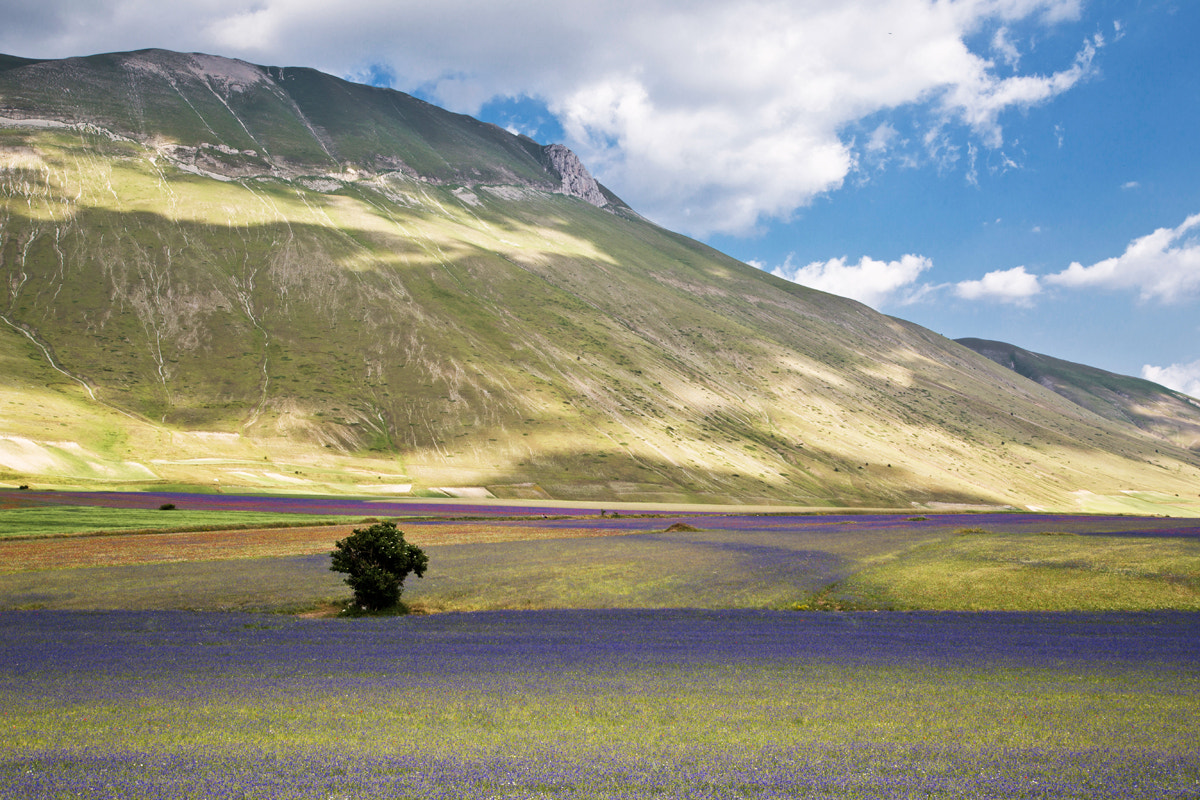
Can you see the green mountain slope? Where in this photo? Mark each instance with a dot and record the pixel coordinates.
(1157, 410)
(263, 277)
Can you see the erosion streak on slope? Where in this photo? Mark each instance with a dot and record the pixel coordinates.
(292, 104)
(235, 116)
(195, 110)
(49, 358)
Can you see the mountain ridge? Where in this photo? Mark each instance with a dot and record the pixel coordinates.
(251, 99)
(1162, 412)
(383, 294)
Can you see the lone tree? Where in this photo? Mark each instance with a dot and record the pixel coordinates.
(377, 560)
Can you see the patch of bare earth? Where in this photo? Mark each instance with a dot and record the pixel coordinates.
(65, 552)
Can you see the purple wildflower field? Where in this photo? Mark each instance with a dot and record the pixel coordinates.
(633, 701)
(605, 704)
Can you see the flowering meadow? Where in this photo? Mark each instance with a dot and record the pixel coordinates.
(665, 655)
(600, 704)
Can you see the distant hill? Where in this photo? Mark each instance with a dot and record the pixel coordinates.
(1157, 410)
(217, 273)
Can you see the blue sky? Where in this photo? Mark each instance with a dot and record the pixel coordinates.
(1021, 170)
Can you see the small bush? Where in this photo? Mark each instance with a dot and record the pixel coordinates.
(377, 560)
(167, 507)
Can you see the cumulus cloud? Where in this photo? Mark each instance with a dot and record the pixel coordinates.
(876, 283)
(1180, 377)
(1163, 266)
(708, 116)
(1007, 286)
(980, 98)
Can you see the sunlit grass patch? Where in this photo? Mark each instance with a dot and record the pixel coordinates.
(1010, 571)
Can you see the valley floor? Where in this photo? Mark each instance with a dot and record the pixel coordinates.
(686, 655)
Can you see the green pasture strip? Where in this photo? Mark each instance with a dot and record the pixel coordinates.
(69, 520)
(979, 569)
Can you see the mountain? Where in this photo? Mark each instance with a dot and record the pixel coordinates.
(1169, 415)
(260, 277)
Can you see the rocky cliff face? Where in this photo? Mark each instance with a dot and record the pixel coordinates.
(576, 180)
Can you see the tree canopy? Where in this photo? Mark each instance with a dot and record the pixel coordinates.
(377, 560)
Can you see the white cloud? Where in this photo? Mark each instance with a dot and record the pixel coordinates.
(1180, 377)
(1130, 185)
(255, 30)
(1005, 48)
(981, 98)
(744, 121)
(1007, 286)
(707, 116)
(1163, 266)
(876, 283)
(881, 138)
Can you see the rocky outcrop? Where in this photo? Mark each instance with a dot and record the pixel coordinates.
(576, 180)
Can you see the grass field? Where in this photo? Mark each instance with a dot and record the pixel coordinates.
(62, 520)
(978, 569)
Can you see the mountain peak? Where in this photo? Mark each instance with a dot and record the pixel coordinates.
(576, 180)
(229, 119)
(230, 74)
